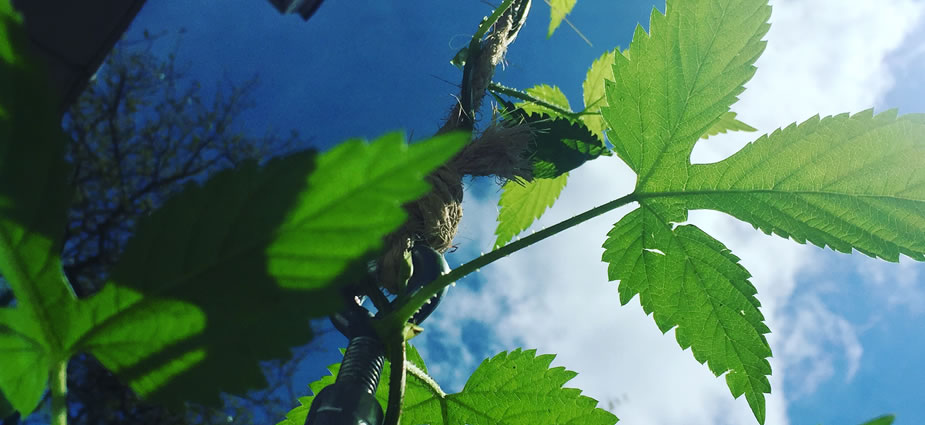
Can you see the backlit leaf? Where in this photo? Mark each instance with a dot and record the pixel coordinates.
(593, 88)
(687, 279)
(667, 91)
(843, 182)
(558, 10)
(681, 79)
(549, 94)
(521, 204)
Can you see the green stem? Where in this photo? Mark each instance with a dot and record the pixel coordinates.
(395, 321)
(397, 379)
(498, 88)
(58, 382)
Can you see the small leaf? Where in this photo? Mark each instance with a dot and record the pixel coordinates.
(727, 122)
(521, 204)
(593, 88)
(459, 60)
(228, 274)
(558, 10)
(687, 279)
(549, 94)
(882, 420)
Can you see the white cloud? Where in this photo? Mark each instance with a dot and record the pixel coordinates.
(823, 56)
(810, 338)
(900, 285)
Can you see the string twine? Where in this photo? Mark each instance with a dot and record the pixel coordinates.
(498, 151)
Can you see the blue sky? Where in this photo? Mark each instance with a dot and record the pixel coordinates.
(846, 330)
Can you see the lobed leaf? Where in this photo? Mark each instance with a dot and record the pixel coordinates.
(227, 274)
(521, 204)
(727, 122)
(688, 280)
(558, 10)
(670, 88)
(843, 182)
(681, 79)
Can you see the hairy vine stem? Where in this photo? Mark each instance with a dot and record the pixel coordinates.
(422, 376)
(505, 23)
(394, 321)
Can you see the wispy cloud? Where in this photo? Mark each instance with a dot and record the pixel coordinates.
(824, 56)
(900, 285)
(813, 339)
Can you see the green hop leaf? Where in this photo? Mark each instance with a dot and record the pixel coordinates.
(522, 204)
(551, 95)
(593, 88)
(668, 90)
(846, 182)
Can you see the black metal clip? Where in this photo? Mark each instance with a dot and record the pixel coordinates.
(351, 399)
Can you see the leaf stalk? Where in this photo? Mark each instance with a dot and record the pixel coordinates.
(58, 383)
(394, 321)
